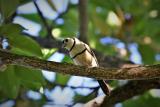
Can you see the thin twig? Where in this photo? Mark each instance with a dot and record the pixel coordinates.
(43, 19)
(51, 5)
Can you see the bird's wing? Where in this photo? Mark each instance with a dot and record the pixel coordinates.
(91, 52)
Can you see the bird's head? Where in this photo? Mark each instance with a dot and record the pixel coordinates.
(67, 43)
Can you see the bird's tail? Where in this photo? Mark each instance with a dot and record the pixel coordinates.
(105, 87)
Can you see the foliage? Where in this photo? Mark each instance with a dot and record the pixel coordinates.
(145, 100)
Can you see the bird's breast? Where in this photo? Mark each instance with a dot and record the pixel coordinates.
(84, 59)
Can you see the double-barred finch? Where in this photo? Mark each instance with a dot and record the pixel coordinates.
(81, 54)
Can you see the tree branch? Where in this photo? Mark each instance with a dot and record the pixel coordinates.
(129, 90)
(132, 73)
(83, 20)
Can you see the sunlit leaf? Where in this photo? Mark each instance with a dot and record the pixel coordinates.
(48, 52)
(67, 59)
(62, 79)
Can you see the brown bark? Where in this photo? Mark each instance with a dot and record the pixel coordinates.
(83, 20)
(132, 73)
(129, 90)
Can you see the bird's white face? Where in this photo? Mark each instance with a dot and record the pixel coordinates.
(67, 43)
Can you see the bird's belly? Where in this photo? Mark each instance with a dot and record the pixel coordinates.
(84, 59)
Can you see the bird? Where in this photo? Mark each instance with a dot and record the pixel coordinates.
(82, 55)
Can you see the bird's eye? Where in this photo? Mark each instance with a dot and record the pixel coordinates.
(66, 40)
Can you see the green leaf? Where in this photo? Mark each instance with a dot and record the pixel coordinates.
(24, 1)
(8, 29)
(14, 76)
(70, 26)
(147, 53)
(48, 52)
(143, 101)
(20, 43)
(83, 99)
(100, 24)
(9, 83)
(33, 17)
(30, 78)
(25, 45)
(8, 7)
(62, 79)
(67, 59)
(43, 32)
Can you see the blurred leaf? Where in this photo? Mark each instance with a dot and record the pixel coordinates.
(8, 7)
(14, 76)
(70, 26)
(67, 59)
(113, 83)
(21, 44)
(9, 83)
(43, 33)
(27, 47)
(100, 24)
(32, 17)
(24, 1)
(108, 49)
(147, 27)
(48, 52)
(10, 28)
(106, 5)
(143, 101)
(62, 79)
(83, 99)
(147, 53)
(30, 78)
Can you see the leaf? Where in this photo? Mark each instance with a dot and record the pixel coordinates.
(8, 7)
(70, 26)
(8, 29)
(25, 45)
(43, 32)
(9, 83)
(30, 78)
(62, 79)
(33, 17)
(83, 99)
(21, 44)
(67, 59)
(14, 76)
(24, 1)
(99, 24)
(147, 53)
(143, 101)
(48, 52)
